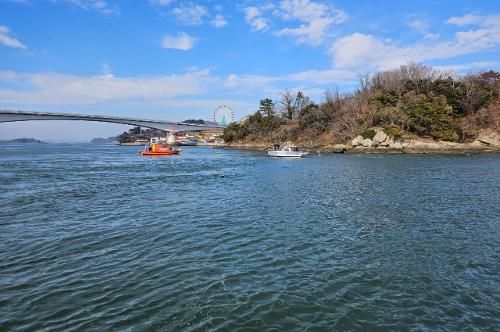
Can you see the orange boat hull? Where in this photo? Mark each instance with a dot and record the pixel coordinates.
(160, 153)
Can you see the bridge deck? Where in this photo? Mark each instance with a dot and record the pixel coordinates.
(15, 115)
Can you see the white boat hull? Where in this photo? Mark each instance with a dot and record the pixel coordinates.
(289, 154)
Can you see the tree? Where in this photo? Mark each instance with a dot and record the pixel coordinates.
(452, 89)
(267, 107)
(300, 103)
(291, 104)
(234, 132)
(479, 90)
(418, 76)
(430, 116)
(287, 104)
(194, 121)
(125, 138)
(135, 131)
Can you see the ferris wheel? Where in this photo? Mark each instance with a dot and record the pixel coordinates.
(223, 115)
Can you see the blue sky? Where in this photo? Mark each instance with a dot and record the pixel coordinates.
(179, 59)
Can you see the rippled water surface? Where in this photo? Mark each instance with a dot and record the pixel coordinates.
(99, 238)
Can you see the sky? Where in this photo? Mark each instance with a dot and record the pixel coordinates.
(180, 59)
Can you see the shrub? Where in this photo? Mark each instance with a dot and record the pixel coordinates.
(486, 118)
(393, 131)
(235, 132)
(368, 133)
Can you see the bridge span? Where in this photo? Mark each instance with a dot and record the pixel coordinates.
(13, 115)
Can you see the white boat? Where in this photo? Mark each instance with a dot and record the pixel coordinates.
(287, 151)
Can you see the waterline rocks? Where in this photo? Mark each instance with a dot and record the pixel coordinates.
(367, 143)
(382, 142)
(379, 138)
(358, 140)
(396, 145)
(489, 138)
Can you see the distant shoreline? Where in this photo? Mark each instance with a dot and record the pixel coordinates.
(22, 140)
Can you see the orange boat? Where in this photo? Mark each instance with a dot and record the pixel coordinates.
(157, 150)
(166, 153)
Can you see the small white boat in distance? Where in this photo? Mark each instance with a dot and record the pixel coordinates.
(287, 151)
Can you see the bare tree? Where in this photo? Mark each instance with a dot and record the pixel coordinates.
(365, 82)
(287, 104)
(301, 102)
(420, 75)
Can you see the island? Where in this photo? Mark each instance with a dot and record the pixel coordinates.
(413, 109)
(21, 140)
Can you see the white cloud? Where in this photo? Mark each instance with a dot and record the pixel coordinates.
(423, 28)
(219, 21)
(248, 83)
(190, 14)
(464, 67)
(7, 40)
(100, 6)
(366, 52)
(356, 50)
(251, 13)
(419, 25)
(162, 2)
(488, 27)
(316, 18)
(49, 88)
(54, 88)
(255, 19)
(182, 41)
(467, 19)
(106, 68)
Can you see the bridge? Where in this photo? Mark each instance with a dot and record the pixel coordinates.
(11, 116)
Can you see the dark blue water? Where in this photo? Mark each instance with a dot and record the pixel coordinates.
(99, 238)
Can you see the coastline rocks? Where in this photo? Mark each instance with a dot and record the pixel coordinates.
(358, 140)
(379, 138)
(396, 145)
(490, 138)
(387, 142)
(487, 141)
(367, 143)
(339, 148)
(429, 145)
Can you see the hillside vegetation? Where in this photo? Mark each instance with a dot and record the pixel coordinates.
(413, 100)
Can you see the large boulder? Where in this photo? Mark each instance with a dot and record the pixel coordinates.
(379, 138)
(388, 141)
(358, 140)
(339, 148)
(491, 138)
(367, 143)
(396, 145)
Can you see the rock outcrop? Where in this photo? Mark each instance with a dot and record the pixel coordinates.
(490, 138)
(367, 143)
(339, 148)
(382, 142)
(379, 138)
(358, 140)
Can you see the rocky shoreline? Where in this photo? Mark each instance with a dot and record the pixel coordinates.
(487, 142)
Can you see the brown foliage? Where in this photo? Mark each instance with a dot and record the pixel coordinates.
(486, 118)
